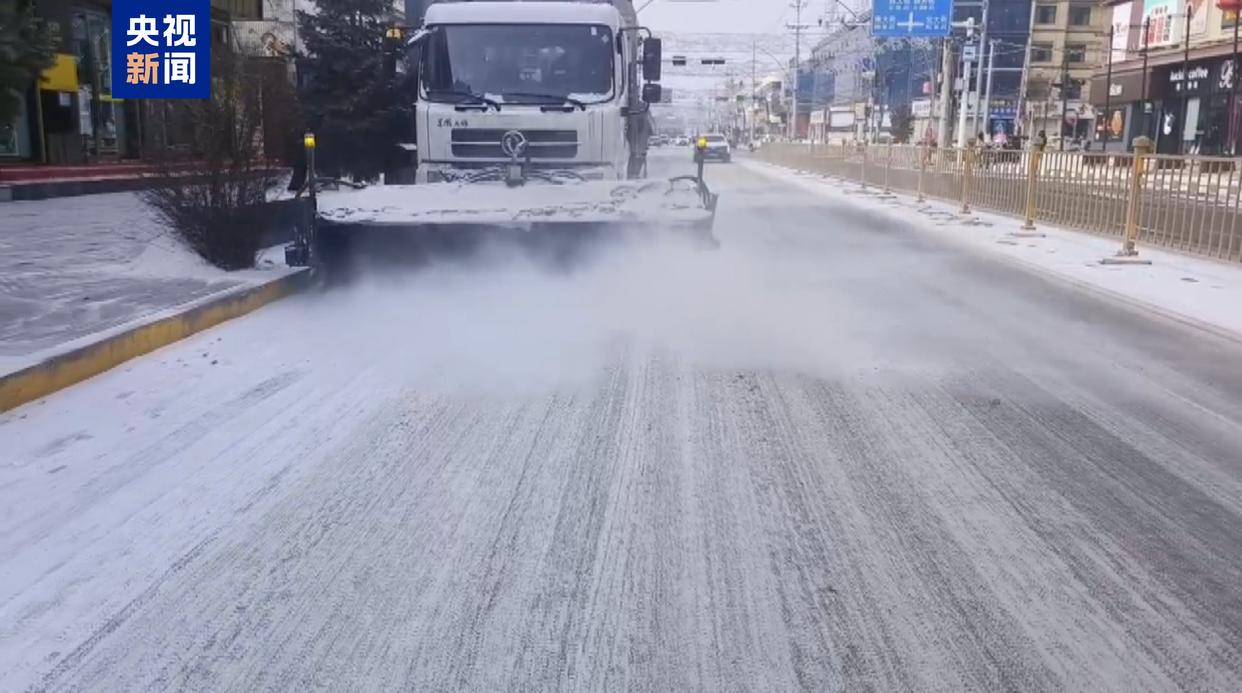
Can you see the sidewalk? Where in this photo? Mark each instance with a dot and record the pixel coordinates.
(42, 181)
(1195, 290)
(74, 268)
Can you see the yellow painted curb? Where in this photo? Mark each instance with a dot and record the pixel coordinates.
(73, 367)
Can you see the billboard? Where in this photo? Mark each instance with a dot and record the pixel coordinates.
(1121, 31)
(1198, 17)
(1162, 18)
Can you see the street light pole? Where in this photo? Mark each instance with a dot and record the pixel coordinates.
(987, 94)
(1233, 84)
(797, 66)
(946, 92)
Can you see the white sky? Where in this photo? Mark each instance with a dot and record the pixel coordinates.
(695, 29)
(725, 16)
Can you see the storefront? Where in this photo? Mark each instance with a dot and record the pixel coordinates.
(1186, 109)
(101, 119)
(1002, 119)
(819, 125)
(69, 115)
(1189, 108)
(15, 135)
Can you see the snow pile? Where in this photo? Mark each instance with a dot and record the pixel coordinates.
(165, 256)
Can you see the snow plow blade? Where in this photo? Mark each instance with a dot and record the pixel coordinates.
(359, 229)
(678, 203)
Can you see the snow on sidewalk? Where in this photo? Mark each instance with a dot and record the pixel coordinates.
(75, 269)
(1203, 291)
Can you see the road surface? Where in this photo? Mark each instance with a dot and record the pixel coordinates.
(834, 455)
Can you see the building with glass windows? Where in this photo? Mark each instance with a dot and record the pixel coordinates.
(1170, 75)
(70, 116)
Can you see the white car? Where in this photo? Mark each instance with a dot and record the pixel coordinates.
(718, 148)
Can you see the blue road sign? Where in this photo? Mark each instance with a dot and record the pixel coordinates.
(909, 18)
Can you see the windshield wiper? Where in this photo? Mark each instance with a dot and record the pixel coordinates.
(471, 96)
(558, 98)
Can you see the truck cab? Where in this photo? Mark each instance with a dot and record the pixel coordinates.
(554, 84)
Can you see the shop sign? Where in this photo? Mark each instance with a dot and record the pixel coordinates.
(1186, 81)
(921, 108)
(1114, 89)
(1225, 75)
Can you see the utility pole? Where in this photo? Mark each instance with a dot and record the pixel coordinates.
(946, 92)
(981, 117)
(750, 104)
(1233, 88)
(987, 94)
(1108, 87)
(1026, 76)
(1065, 84)
(797, 27)
(1181, 139)
(962, 116)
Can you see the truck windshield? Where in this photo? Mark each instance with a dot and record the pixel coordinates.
(531, 62)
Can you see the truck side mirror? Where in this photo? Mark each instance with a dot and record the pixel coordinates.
(653, 55)
(652, 93)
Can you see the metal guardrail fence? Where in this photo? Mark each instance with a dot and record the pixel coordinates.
(1189, 203)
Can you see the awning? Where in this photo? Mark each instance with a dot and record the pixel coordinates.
(62, 75)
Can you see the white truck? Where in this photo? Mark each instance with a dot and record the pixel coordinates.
(530, 113)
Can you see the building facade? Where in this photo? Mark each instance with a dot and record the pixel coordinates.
(1068, 39)
(1169, 74)
(70, 115)
(1008, 30)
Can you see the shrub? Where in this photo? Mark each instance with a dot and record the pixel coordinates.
(213, 196)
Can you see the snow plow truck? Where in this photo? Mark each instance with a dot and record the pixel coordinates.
(530, 116)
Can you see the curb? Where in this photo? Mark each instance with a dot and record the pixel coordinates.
(72, 367)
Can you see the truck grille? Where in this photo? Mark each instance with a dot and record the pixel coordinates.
(485, 144)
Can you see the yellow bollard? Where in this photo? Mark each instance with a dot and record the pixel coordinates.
(968, 161)
(863, 146)
(1142, 149)
(308, 142)
(1032, 178)
(1129, 246)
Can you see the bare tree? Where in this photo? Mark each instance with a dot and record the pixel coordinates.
(214, 195)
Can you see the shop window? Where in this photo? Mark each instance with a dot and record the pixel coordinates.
(1075, 53)
(1080, 15)
(241, 9)
(1046, 14)
(1041, 52)
(220, 36)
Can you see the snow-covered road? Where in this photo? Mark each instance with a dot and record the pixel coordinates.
(837, 454)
